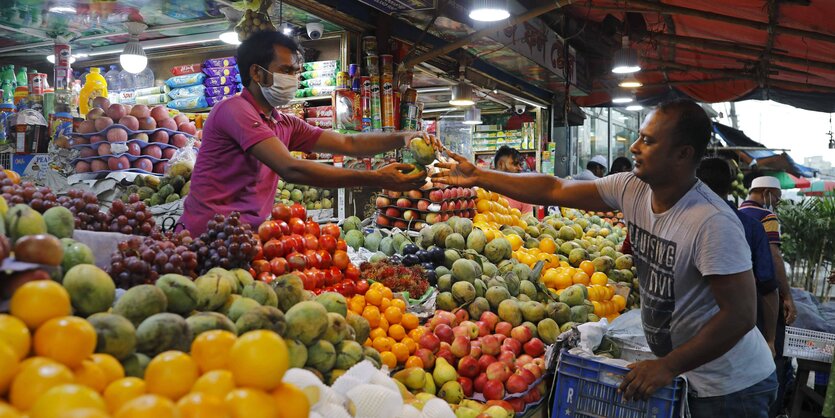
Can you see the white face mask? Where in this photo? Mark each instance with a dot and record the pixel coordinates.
(282, 91)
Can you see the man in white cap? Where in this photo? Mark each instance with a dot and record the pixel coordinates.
(595, 169)
(762, 198)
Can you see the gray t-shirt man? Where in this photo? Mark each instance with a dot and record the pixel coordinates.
(674, 251)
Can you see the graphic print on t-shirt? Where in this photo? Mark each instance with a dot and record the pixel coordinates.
(655, 259)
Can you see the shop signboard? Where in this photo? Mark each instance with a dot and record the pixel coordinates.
(33, 166)
(400, 6)
(540, 44)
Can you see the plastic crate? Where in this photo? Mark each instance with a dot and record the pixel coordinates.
(589, 388)
(809, 345)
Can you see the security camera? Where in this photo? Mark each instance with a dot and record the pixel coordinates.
(519, 109)
(315, 30)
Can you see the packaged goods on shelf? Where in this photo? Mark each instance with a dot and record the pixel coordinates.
(324, 123)
(347, 106)
(318, 112)
(318, 82)
(325, 73)
(322, 65)
(220, 62)
(189, 103)
(186, 69)
(185, 80)
(196, 90)
(222, 81)
(221, 71)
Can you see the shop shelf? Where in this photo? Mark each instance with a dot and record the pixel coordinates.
(589, 388)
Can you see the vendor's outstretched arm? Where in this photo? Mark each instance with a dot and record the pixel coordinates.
(538, 189)
(276, 156)
(366, 144)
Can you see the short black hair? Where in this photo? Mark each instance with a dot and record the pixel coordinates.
(258, 49)
(620, 165)
(716, 173)
(506, 151)
(692, 126)
(592, 165)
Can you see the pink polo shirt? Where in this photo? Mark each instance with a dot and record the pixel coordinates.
(226, 177)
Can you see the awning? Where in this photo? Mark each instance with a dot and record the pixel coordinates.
(788, 181)
(819, 188)
(763, 159)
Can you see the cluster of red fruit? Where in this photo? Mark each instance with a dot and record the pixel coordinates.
(421, 207)
(493, 358)
(314, 253)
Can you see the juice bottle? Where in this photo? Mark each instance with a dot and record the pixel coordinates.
(95, 86)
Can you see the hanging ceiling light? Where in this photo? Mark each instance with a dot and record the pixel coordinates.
(489, 10)
(625, 60)
(133, 57)
(621, 97)
(230, 36)
(287, 29)
(51, 58)
(473, 116)
(634, 107)
(462, 95)
(630, 82)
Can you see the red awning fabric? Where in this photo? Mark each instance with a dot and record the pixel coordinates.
(712, 60)
(800, 182)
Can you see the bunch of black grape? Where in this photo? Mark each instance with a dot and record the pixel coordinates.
(227, 243)
(131, 218)
(37, 197)
(86, 210)
(142, 260)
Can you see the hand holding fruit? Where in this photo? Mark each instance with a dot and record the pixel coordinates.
(399, 176)
(459, 173)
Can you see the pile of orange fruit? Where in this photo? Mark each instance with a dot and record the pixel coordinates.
(394, 331)
(545, 252)
(494, 211)
(48, 369)
(601, 292)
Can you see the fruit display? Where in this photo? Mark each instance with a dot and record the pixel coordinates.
(227, 243)
(315, 253)
(396, 276)
(415, 208)
(39, 198)
(254, 21)
(116, 137)
(85, 208)
(494, 211)
(612, 218)
(312, 198)
(143, 260)
(488, 359)
(153, 190)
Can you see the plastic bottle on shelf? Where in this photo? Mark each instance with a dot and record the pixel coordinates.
(83, 76)
(7, 84)
(144, 79)
(22, 79)
(95, 86)
(114, 85)
(128, 93)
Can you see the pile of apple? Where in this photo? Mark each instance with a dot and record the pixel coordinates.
(290, 242)
(138, 130)
(491, 357)
(420, 207)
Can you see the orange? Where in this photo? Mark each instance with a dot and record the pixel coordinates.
(409, 321)
(210, 350)
(587, 266)
(397, 332)
(15, 178)
(389, 359)
(549, 278)
(598, 309)
(599, 278)
(292, 401)
(367, 342)
(414, 361)
(385, 303)
(387, 293)
(563, 280)
(410, 343)
(8, 365)
(39, 301)
(393, 315)
(378, 332)
(548, 245)
(147, 406)
(83, 413)
(620, 302)
(7, 411)
(416, 333)
(63, 398)
(51, 340)
(580, 277)
(259, 360)
(217, 383)
(201, 405)
(376, 286)
(382, 344)
(515, 241)
(373, 297)
(14, 332)
(400, 351)
(593, 296)
(123, 390)
(111, 367)
(357, 304)
(399, 304)
(371, 314)
(384, 323)
(251, 403)
(91, 375)
(34, 379)
(171, 374)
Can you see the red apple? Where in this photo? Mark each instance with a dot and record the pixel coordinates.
(436, 195)
(475, 349)
(430, 342)
(484, 361)
(383, 221)
(517, 404)
(393, 212)
(521, 333)
(461, 315)
(490, 345)
(447, 194)
(527, 375)
(404, 203)
(501, 338)
(394, 194)
(515, 384)
(433, 218)
(534, 369)
(514, 346)
(478, 382)
(423, 205)
(444, 333)
(382, 201)
(414, 194)
(523, 360)
(447, 355)
(504, 328)
(426, 356)
(468, 367)
(493, 389)
(498, 371)
(504, 404)
(410, 215)
(534, 347)
(460, 346)
(483, 328)
(490, 319)
(508, 358)
(466, 385)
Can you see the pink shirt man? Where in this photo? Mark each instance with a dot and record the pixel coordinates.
(226, 178)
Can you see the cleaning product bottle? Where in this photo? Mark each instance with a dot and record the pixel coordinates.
(113, 84)
(95, 86)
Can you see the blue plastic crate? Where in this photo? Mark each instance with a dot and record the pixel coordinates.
(589, 388)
